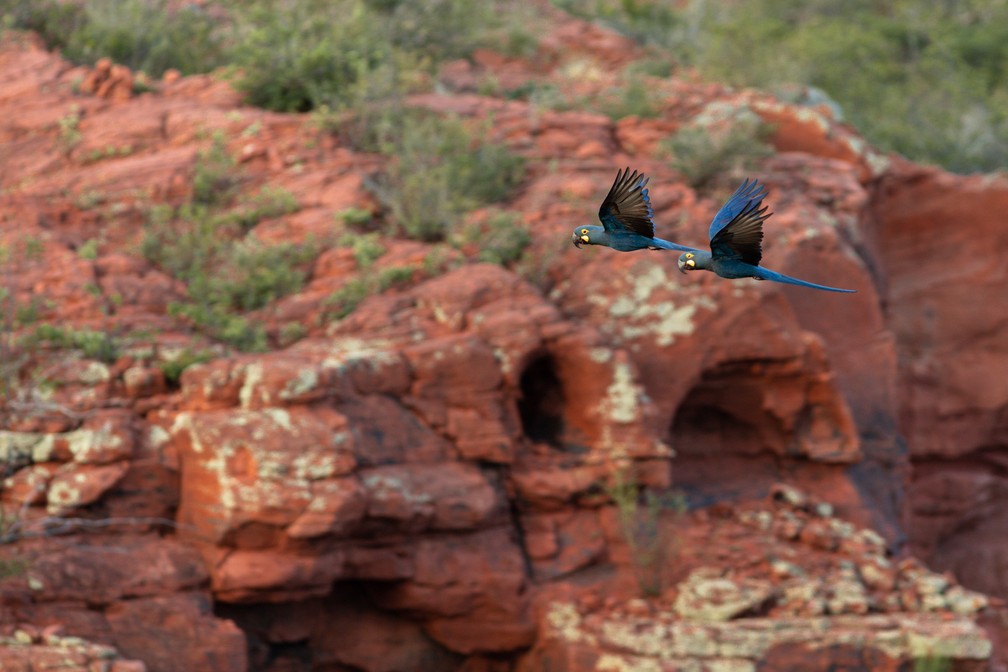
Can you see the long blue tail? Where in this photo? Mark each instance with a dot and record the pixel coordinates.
(767, 274)
(662, 244)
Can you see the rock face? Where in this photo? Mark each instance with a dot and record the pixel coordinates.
(944, 288)
(787, 586)
(583, 462)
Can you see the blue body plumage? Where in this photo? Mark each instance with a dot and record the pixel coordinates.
(627, 219)
(736, 237)
(736, 232)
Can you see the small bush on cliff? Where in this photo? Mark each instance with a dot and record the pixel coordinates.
(439, 171)
(227, 271)
(173, 368)
(308, 55)
(99, 345)
(653, 22)
(345, 300)
(649, 543)
(703, 154)
(144, 35)
(337, 55)
(499, 238)
(634, 97)
(214, 177)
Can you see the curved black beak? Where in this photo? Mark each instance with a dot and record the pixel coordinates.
(576, 240)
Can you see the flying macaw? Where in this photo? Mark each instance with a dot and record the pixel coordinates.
(626, 218)
(736, 235)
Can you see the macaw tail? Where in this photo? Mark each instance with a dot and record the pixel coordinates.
(661, 244)
(767, 274)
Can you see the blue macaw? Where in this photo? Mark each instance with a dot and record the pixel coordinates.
(736, 235)
(626, 218)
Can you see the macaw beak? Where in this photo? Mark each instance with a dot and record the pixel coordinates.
(576, 240)
(682, 266)
(685, 265)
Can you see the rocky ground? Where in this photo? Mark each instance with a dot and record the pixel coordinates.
(446, 478)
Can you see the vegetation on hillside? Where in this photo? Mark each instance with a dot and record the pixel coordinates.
(205, 243)
(927, 80)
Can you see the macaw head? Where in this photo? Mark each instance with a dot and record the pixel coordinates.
(687, 262)
(586, 235)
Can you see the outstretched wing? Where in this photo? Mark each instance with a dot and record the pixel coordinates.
(742, 237)
(627, 207)
(747, 197)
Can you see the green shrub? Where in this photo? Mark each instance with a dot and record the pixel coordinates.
(291, 332)
(652, 22)
(226, 270)
(345, 300)
(69, 129)
(215, 319)
(309, 54)
(632, 98)
(88, 249)
(224, 274)
(267, 203)
(641, 528)
(253, 274)
(440, 171)
(394, 276)
(145, 35)
(703, 153)
(173, 368)
(214, 177)
(367, 248)
(55, 21)
(25, 314)
(11, 568)
(500, 238)
(98, 345)
(355, 218)
(438, 29)
(183, 242)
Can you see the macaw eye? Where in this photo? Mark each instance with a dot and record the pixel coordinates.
(584, 232)
(689, 255)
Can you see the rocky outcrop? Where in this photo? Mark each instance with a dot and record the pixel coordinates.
(790, 587)
(26, 649)
(936, 249)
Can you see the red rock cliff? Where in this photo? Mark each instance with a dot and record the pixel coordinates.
(429, 483)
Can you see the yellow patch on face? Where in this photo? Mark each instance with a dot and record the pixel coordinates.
(584, 238)
(690, 263)
(689, 255)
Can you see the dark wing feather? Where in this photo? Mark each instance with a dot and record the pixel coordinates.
(746, 197)
(742, 237)
(627, 206)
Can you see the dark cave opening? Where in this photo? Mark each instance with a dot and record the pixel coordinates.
(724, 414)
(728, 446)
(541, 404)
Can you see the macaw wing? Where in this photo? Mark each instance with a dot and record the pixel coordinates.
(627, 206)
(742, 237)
(748, 196)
